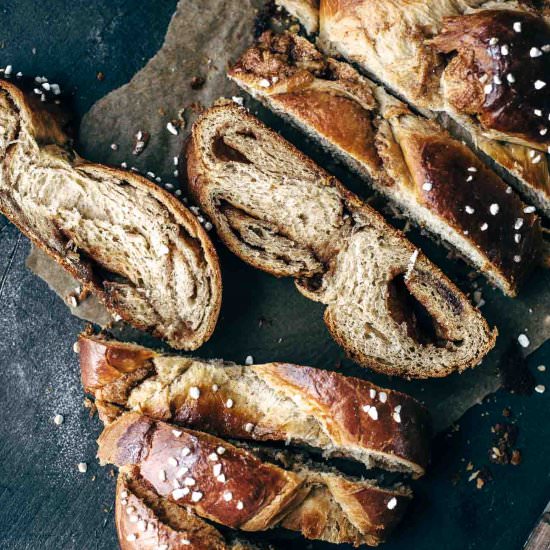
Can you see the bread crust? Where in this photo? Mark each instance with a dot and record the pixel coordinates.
(506, 112)
(400, 43)
(254, 495)
(399, 152)
(333, 251)
(46, 131)
(336, 403)
(141, 527)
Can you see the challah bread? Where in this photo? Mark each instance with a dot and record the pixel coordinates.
(387, 305)
(233, 487)
(123, 238)
(436, 180)
(338, 415)
(146, 521)
(484, 63)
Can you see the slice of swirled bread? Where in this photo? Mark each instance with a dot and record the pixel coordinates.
(126, 240)
(387, 305)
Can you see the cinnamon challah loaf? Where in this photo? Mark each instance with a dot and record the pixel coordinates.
(233, 487)
(434, 179)
(337, 415)
(485, 63)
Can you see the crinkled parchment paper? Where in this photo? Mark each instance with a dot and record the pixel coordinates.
(261, 314)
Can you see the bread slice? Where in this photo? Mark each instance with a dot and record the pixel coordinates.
(146, 521)
(388, 306)
(123, 238)
(436, 55)
(233, 487)
(434, 179)
(338, 415)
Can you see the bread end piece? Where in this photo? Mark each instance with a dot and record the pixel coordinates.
(145, 521)
(122, 237)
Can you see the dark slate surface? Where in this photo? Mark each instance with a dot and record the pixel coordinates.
(44, 501)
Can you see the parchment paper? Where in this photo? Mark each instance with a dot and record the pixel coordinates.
(202, 37)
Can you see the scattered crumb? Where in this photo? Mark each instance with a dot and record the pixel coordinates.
(515, 460)
(58, 419)
(82, 467)
(505, 436)
(100, 76)
(540, 388)
(197, 82)
(469, 467)
(506, 412)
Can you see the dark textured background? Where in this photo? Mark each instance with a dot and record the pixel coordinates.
(44, 501)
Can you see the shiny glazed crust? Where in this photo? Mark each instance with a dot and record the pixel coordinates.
(144, 521)
(400, 44)
(321, 402)
(232, 487)
(432, 177)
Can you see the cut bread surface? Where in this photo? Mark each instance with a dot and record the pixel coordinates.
(387, 305)
(337, 415)
(126, 240)
(434, 179)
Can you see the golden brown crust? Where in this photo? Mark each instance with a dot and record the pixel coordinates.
(473, 199)
(102, 362)
(146, 522)
(328, 95)
(379, 137)
(339, 400)
(252, 495)
(476, 79)
(262, 488)
(335, 400)
(399, 42)
(46, 131)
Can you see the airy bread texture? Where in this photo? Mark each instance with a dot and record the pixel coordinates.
(476, 60)
(146, 521)
(434, 179)
(233, 487)
(338, 415)
(387, 304)
(126, 240)
(306, 11)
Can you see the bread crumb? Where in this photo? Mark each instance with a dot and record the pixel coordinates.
(516, 458)
(82, 467)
